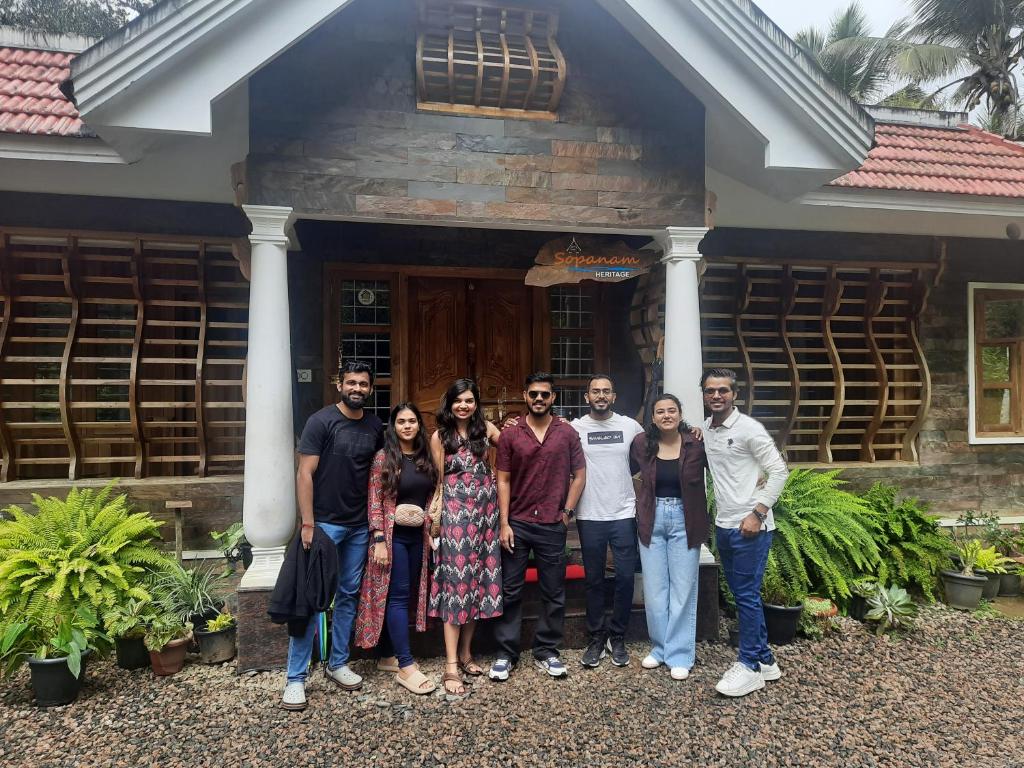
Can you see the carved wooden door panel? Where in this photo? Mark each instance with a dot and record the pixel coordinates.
(501, 342)
(437, 340)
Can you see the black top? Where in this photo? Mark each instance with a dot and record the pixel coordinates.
(414, 487)
(346, 448)
(666, 480)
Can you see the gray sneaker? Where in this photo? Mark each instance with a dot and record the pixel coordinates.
(594, 653)
(345, 678)
(294, 696)
(617, 648)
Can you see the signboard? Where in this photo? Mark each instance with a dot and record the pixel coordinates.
(572, 259)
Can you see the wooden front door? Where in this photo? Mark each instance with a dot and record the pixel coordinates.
(480, 329)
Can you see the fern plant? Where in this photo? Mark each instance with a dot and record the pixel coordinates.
(824, 537)
(88, 548)
(914, 550)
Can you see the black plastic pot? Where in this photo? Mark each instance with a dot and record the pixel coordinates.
(53, 685)
(217, 647)
(991, 588)
(963, 591)
(781, 622)
(1009, 584)
(858, 608)
(131, 653)
(199, 619)
(246, 549)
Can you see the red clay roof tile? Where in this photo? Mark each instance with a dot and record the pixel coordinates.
(30, 101)
(961, 161)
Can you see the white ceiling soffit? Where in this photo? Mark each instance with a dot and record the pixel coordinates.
(774, 119)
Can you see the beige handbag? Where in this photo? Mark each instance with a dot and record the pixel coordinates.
(409, 514)
(434, 510)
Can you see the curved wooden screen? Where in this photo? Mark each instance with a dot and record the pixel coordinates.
(120, 356)
(486, 56)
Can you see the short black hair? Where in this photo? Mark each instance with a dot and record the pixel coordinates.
(719, 373)
(597, 376)
(355, 366)
(539, 377)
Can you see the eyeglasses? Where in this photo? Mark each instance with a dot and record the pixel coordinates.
(536, 394)
(605, 392)
(717, 390)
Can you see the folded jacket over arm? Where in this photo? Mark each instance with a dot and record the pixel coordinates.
(306, 584)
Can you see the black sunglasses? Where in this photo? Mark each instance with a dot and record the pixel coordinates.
(537, 394)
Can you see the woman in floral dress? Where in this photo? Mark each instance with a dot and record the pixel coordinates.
(467, 576)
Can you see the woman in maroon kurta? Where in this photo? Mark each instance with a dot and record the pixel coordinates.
(402, 474)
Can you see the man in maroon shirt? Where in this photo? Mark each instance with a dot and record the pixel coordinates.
(541, 474)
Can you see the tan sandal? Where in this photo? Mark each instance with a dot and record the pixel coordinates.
(387, 665)
(471, 668)
(417, 682)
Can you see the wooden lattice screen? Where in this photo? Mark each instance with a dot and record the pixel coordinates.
(828, 355)
(483, 55)
(120, 355)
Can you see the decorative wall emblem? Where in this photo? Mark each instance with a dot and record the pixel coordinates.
(572, 259)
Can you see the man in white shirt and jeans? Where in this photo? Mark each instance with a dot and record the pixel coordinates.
(606, 517)
(740, 452)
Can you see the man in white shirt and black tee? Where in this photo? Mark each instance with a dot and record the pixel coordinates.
(606, 517)
(740, 452)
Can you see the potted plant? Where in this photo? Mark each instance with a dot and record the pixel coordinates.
(816, 618)
(991, 565)
(191, 593)
(860, 591)
(1008, 542)
(56, 653)
(783, 604)
(891, 608)
(963, 588)
(167, 640)
(126, 623)
(234, 546)
(217, 640)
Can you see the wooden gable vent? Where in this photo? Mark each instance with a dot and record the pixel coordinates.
(489, 59)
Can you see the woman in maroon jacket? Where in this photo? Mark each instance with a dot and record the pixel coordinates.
(672, 523)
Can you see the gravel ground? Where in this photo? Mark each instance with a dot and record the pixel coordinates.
(951, 693)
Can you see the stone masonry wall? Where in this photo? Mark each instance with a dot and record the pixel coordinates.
(335, 132)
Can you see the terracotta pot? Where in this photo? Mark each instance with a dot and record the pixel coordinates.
(171, 658)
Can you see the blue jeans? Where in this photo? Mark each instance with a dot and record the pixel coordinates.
(595, 538)
(406, 559)
(670, 570)
(743, 561)
(352, 543)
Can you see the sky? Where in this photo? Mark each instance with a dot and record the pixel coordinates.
(794, 15)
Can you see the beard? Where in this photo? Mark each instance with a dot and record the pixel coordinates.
(545, 408)
(600, 407)
(354, 400)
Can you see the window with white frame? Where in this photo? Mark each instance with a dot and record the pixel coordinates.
(997, 362)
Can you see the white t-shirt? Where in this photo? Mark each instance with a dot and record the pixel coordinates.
(608, 494)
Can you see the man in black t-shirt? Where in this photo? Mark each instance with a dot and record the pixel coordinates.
(335, 452)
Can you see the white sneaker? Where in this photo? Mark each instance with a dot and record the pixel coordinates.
(771, 672)
(680, 673)
(294, 696)
(345, 678)
(649, 662)
(739, 680)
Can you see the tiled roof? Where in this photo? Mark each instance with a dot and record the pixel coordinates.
(30, 102)
(963, 160)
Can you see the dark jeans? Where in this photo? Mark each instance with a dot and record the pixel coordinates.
(406, 559)
(595, 538)
(743, 561)
(547, 542)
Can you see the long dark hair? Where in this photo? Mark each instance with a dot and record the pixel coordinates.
(393, 451)
(447, 424)
(654, 432)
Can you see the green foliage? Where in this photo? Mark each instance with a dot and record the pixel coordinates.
(913, 548)
(1007, 541)
(223, 620)
(968, 551)
(80, 17)
(989, 560)
(66, 635)
(891, 607)
(777, 590)
(129, 618)
(183, 592)
(229, 542)
(163, 629)
(88, 549)
(824, 537)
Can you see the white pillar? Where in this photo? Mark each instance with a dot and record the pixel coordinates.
(682, 318)
(268, 502)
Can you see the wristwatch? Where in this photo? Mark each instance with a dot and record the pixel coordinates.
(378, 537)
(569, 512)
(762, 516)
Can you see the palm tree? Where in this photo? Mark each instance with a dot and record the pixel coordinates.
(853, 60)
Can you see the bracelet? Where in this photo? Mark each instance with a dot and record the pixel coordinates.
(308, 525)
